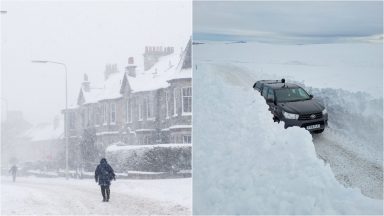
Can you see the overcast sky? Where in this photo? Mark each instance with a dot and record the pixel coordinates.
(317, 21)
(85, 36)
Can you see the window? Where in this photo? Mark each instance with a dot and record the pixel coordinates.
(174, 102)
(140, 107)
(187, 139)
(149, 108)
(89, 116)
(187, 100)
(83, 117)
(113, 113)
(100, 117)
(129, 111)
(147, 140)
(166, 105)
(105, 111)
(291, 94)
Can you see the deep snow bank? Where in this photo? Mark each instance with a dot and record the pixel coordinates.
(246, 164)
(355, 122)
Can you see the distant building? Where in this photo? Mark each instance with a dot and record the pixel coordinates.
(145, 104)
(44, 142)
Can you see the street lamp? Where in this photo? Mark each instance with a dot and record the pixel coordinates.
(66, 109)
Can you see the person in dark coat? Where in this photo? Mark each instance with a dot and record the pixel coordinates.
(103, 175)
(13, 171)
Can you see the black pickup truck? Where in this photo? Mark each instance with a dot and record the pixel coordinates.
(291, 104)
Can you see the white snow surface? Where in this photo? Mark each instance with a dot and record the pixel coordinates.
(41, 196)
(118, 147)
(247, 164)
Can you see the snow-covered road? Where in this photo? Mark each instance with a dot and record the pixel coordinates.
(57, 196)
(350, 169)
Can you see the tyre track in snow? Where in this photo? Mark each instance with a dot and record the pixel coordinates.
(31, 197)
(349, 169)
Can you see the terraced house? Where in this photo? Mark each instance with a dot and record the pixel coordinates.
(142, 105)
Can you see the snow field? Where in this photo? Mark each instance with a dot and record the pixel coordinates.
(247, 164)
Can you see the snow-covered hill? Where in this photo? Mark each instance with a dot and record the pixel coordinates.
(244, 162)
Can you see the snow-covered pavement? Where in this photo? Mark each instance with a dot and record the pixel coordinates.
(31, 195)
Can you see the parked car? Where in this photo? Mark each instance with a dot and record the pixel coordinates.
(291, 104)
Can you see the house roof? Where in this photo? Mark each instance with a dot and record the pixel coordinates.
(169, 67)
(47, 131)
(157, 77)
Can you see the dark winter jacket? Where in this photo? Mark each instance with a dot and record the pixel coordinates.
(104, 173)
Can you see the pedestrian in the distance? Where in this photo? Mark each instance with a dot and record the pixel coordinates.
(13, 171)
(103, 175)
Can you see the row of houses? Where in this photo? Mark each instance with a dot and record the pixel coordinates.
(149, 103)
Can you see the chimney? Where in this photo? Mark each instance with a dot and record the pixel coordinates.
(110, 69)
(153, 53)
(131, 68)
(131, 60)
(85, 84)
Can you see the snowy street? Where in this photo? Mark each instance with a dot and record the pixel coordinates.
(350, 169)
(57, 196)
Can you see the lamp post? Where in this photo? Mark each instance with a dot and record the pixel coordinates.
(66, 109)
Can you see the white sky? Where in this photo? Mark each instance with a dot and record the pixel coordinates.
(310, 19)
(84, 35)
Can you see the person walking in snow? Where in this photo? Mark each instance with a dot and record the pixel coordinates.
(13, 171)
(103, 175)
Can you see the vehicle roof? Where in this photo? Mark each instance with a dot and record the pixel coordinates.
(281, 85)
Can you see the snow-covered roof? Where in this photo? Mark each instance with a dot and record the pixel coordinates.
(157, 76)
(47, 131)
(112, 85)
(169, 67)
(110, 90)
(91, 96)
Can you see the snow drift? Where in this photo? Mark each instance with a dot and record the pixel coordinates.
(247, 164)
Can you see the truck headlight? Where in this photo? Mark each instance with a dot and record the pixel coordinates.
(324, 111)
(290, 115)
